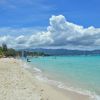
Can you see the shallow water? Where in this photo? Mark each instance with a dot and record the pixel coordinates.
(80, 73)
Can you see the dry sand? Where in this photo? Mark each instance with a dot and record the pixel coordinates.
(16, 83)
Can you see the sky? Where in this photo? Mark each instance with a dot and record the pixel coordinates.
(70, 24)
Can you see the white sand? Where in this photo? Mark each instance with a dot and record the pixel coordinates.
(16, 83)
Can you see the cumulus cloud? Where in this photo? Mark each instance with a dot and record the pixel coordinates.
(59, 34)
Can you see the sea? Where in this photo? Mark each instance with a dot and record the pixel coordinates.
(80, 74)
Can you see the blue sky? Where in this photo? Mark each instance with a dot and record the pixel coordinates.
(36, 13)
(70, 24)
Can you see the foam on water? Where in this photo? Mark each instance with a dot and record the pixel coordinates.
(41, 76)
(37, 69)
(61, 85)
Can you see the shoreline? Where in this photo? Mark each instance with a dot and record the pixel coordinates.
(21, 84)
(70, 93)
(17, 83)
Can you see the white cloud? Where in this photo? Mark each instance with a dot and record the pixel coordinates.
(60, 34)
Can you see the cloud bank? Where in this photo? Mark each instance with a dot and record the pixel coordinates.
(59, 34)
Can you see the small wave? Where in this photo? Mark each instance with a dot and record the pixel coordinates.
(96, 97)
(36, 69)
(61, 85)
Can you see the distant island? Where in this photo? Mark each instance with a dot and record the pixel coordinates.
(63, 52)
(10, 52)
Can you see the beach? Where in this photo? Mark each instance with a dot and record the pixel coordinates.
(16, 83)
(20, 83)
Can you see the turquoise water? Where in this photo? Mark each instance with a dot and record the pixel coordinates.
(79, 72)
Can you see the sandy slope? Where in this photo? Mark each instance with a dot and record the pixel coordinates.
(16, 83)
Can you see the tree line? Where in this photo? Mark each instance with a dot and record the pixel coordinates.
(10, 52)
(7, 52)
